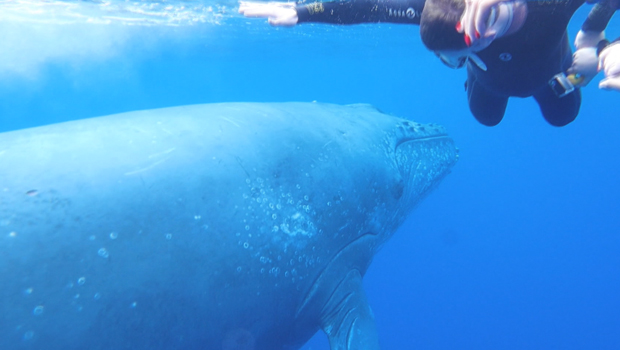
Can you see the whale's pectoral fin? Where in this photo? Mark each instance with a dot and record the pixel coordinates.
(347, 319)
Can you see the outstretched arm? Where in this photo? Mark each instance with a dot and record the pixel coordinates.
(277, 13)
(339, 12)
(586, 60)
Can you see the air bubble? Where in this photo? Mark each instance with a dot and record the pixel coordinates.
(238, 234)
(92, 237)
(246, 245)
(197, 217)
(298, 186)
(81, 280)
(38, 310)
(306, 197)
(247, 227)
(168, 236)
(247, 181)
(274, 216)
(97, 296)
(103, 253)
(133, 305)
(238, 268)
(113, 235)
(28, 335)
(329, 204)
(13, 234)
(278, 206)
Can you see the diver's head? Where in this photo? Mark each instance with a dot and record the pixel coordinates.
(438, 25)
(439, 34)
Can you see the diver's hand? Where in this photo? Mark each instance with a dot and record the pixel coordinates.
(482, 21)
(588, 38)
(277, 13)
(585, 65)
(609, 62)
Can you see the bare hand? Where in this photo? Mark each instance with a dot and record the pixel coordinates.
(609, 62)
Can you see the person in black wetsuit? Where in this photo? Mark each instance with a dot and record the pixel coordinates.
(521, 63)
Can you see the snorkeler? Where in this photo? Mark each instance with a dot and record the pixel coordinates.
(527, 55)
(593, 52)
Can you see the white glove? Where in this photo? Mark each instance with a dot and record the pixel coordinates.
(609, 62)
(585, 65)
(277, 13)
(588, 39)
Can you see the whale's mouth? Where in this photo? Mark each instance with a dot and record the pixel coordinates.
(420, 139)
(423, 160)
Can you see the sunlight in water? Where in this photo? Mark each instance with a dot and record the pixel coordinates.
(174, 13)
(37, 32)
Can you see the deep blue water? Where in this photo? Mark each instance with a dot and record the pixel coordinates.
(518, 248)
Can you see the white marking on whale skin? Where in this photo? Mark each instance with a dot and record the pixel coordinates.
(152, 165)
(147, 168)
(164, 130)
(161, 153)
(231, 121)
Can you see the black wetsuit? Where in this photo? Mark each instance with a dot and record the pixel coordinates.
(523, 63)
(520, 64)
(362, 11)
(599, 17)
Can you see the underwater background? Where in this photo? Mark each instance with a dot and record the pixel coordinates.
(518, 248)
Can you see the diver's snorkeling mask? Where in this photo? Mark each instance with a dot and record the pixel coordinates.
(499, 21)
(456, 62)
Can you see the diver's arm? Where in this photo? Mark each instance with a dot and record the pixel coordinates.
(362, 11)
(338, 12)
(599, 16)
(586, 62)
(593, 29)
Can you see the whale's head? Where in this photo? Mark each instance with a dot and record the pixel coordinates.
(417, 157)
(424, 155)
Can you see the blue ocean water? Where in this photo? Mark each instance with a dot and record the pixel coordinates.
(518, 248)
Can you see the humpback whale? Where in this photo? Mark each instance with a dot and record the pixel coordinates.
(233, 226)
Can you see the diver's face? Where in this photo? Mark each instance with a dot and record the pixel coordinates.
(454, 59)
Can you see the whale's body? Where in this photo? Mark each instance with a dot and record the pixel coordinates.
(224, 226)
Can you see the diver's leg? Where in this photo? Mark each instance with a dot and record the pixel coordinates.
(487, 107)
(558, 111)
